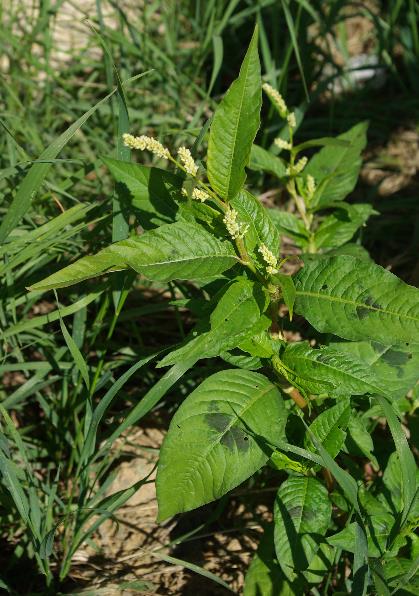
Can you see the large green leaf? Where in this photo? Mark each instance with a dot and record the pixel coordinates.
(339, 227)
(357, 300)
(329, 428)
(216, 439)
(396, 368)
(234, 127)
(264, 576)
(151, 192)
(173, 251)
(237, 317)
(261, 230)
(262, 160)
(326, 370)
(336, 168)
(302, 510)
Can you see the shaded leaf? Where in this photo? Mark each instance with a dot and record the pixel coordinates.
(262, 160)
(302, 512)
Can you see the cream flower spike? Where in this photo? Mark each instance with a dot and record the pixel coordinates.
(234, 228)
(143, 142)
(269, 258)
(276, 99)
(188, 163)
(200, 195)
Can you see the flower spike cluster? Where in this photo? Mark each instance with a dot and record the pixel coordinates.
(280, 104)
(297, 168)
(310, 186)
(269, 258)
(187, 161)
(234, 228)
(143, 142)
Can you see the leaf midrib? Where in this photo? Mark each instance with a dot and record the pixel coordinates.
(356, 304)
(236, 126)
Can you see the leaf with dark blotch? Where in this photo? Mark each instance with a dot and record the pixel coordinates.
(357, 300)
(218, 437)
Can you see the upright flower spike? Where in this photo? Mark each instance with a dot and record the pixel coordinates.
(143, 142)
(200, 195)
(282, 144)
(276, 99)
(291, 120)
(310, 186)
(187, 161)
(269, 258)
(297, 168)
(234, 228)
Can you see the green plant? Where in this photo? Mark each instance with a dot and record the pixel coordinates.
(328, 394)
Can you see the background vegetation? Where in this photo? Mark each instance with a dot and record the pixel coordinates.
(339, 62)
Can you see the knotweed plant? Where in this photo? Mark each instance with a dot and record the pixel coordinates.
(306, 409)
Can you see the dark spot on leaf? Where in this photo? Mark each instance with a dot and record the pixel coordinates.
(363, 311)
(324, 287)
(395, 358)
(294, 511)
(232, 437)
(213, 406)
(377, 347)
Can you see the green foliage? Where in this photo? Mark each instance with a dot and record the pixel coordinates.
(320, 403)
(217, 438)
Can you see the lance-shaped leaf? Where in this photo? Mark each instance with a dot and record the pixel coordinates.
(218, 437)
(150, 193)
(396, 368)
(357, 300)
(234, 127)
(338, 228)
(290, 225)
(302, 510)
(173, 251)
(335, 169)
(329, 428)
(237, 317)
(262, 160)
(326, 370)
(261, 229)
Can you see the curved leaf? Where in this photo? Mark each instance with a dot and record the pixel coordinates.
(261, 230)
(329, 428)
(150, 191)
(262, 160)
(302, 511)
(234, 127)
(217, 439)
(173, 251)
(396, 368)
(357, 300)
(264, 576)
(326, 370)
(237, 317)
(335, 169)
